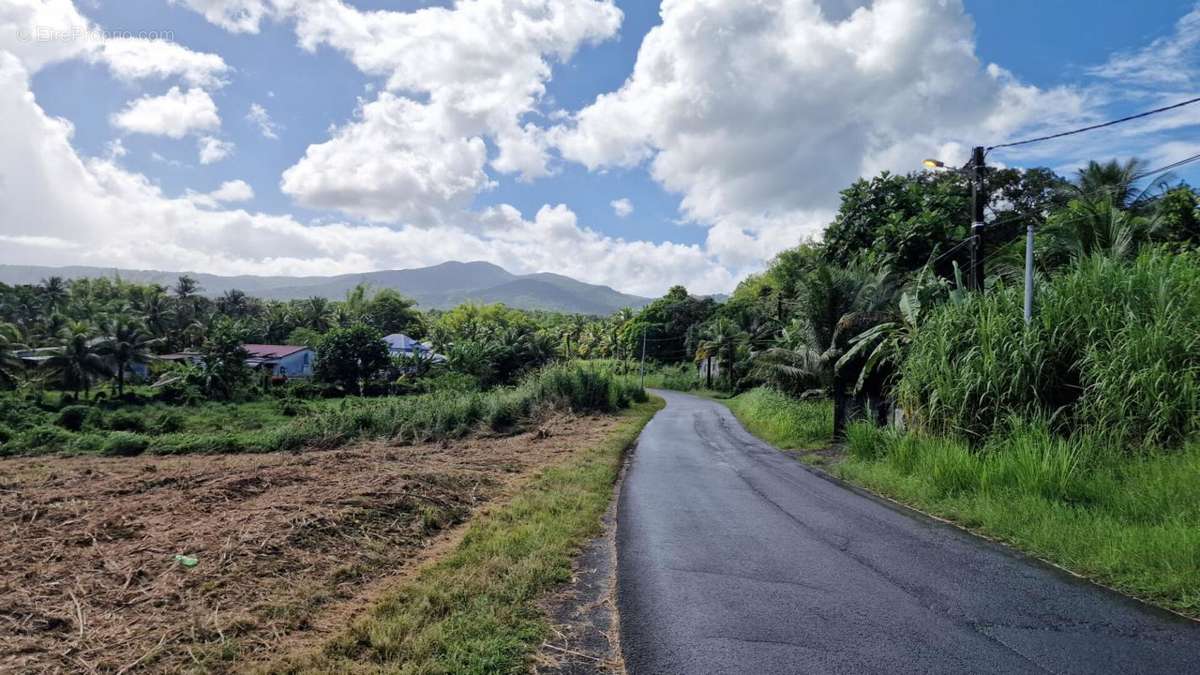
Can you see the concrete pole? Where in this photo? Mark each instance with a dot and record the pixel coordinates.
(1028, 274)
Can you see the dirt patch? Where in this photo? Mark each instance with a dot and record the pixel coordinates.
(288, 547)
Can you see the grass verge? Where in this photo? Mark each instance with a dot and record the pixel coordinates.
(474, 611)
(1129, 522)
(783, 421)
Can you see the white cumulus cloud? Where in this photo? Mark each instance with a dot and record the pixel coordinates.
(213, 149)
(175, 114)
(758, 130)
(622, 207)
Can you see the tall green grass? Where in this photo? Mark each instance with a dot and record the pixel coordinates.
(783, 421)
(443, 415)
(1080, 501)
(273, 426)
(676, 377)
(1115, 346)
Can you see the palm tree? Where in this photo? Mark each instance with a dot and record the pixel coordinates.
(157, 314)
(77, 360)
(127, 345)
(1100, 226)
(885, 344)
(1114, 180)
(54, 293)
(316, 313)
(234, 303)
(10, 363)
(721, 341)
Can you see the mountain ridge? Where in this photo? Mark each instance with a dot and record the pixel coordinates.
(439, 286)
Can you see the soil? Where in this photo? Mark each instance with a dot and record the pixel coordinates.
(288, 547)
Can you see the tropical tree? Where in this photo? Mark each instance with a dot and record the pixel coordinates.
(316, 313)
(234, 304)
(10, 363)
(223, 369)
(55, 293)
(78, 361)
(721, 340)
(155, 309)
(1097, 227)
(128, 344)
(350, 356)
(391, 312)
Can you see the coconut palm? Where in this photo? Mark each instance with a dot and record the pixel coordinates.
(157, 314)
(234, 303)
(128, 344)
(721, 340)
(55, 293)
(10, 364)
(316, 313)
(1099, 227)
(77, 361)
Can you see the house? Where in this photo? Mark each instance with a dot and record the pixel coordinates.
(281, 360)
(400, 344)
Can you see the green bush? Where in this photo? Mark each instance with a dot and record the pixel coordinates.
(6, 434)
(125, 420)
(125, 444)
(73, 417)
(1114, 347)
(87, 444)
(19, 415)
(166, 422)
(45, 438)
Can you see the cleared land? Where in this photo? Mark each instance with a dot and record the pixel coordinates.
(288, 546)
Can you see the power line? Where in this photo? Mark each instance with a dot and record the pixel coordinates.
(1096, 126)
(1163, 169)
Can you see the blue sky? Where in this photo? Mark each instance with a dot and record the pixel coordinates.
(393, 150)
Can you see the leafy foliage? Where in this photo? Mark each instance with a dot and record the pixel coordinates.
(349, 357)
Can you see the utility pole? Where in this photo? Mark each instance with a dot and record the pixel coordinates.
(1029, 274)
(978, 202)
(643, 382)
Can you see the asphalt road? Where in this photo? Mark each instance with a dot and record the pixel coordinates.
(733, 558)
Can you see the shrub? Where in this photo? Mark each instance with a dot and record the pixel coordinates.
(125, 444)
(291, 407)
(6, 434)
(125, 420)
(166, 422)
(45, 438)
(86, 444)
(73, 417)
(20, 415)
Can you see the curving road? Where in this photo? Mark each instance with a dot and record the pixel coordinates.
(733, 558)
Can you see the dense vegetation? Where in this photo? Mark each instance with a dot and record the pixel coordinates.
(1077, 436)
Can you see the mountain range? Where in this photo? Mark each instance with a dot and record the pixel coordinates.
(438, 287)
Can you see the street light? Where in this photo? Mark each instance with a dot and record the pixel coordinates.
(974, 171)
